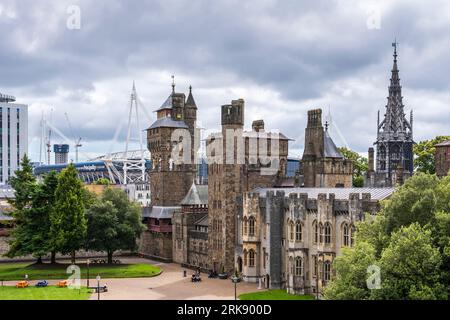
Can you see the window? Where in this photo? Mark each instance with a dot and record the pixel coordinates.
(315, 266)
(251, 258)
(291, 231)
(346, 234)
(298, 231)
(352, 235)
(327, 270)
(320, 233)
(251, 226)
(298, 266)
(291, 265)
(327, 233)
(245, 257)
(245, 226)
(316, 232)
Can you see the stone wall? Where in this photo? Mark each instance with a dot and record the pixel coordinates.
(156, 245)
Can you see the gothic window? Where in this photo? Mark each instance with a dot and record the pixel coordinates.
(315, 262)
(346, 234)
(251, 258)
(291, 265)
(352, 235)
(251, 226)
(298, 231)
(327, 233)
(320, 233)
(327, 270)
(382, 152)
(245, 257)
(291, 231)
(245, 226)
(316, 231)
(298, 266)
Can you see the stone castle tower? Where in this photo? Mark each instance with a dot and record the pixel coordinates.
(322, 164)
(394, 145)
(170, 179)
(228, 181)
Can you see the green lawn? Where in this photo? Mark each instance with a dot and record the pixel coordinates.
(273, 295)
(17, 271)
(48, 293)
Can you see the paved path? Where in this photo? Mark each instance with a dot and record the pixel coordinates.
(169, 285)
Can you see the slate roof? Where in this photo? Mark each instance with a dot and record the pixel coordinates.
(330, 149)
(340, 193)
(190, 100)
(167, 104)
(159, 212)
(197, 194)
(168, 123)
(203, 221)
(443, 144)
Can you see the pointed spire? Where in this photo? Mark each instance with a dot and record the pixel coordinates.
(173, 84)
(190, 99)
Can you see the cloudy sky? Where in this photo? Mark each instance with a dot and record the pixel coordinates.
(282, 57)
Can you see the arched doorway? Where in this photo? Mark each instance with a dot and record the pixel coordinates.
(267, 281)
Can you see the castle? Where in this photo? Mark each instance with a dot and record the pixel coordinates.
(251, 218)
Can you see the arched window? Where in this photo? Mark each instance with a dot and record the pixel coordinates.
(298, 231)
(251, 226)
(251, 258)
(245, 226)
(245, 257)
(298, 266)
(320, 233)
(346, 234)
(291, 231)
(327, 271)
(316, 232)
(291, 265)
(352, 235)
(327, 233)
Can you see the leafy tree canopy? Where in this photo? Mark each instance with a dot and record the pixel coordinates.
(424, 154)
(360, 165)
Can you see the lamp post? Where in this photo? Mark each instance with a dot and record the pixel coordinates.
(235, 281)
(87, 264)
(98, 286)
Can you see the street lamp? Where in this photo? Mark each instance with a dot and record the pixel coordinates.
(87, 263)
(98, 286)
(235, 281)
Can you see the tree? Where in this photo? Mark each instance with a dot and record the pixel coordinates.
(415, 201)
(102, 181)
(114, 223)
(351, 270)
(68, 221)
(24, 184)
(410, 239)
(410, 266)
(424, 152)
(360, 165)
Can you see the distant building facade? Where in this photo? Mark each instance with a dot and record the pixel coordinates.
(442, 158)
(13, 136)
(290, 237)
(394, 145)
(61, 153)
(322, 165)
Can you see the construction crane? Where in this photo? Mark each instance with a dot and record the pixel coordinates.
(48, 137)
(77, 141)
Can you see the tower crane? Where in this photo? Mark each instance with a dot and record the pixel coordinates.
(77, 141)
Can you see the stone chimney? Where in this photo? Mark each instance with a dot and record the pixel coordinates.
(258, 125)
